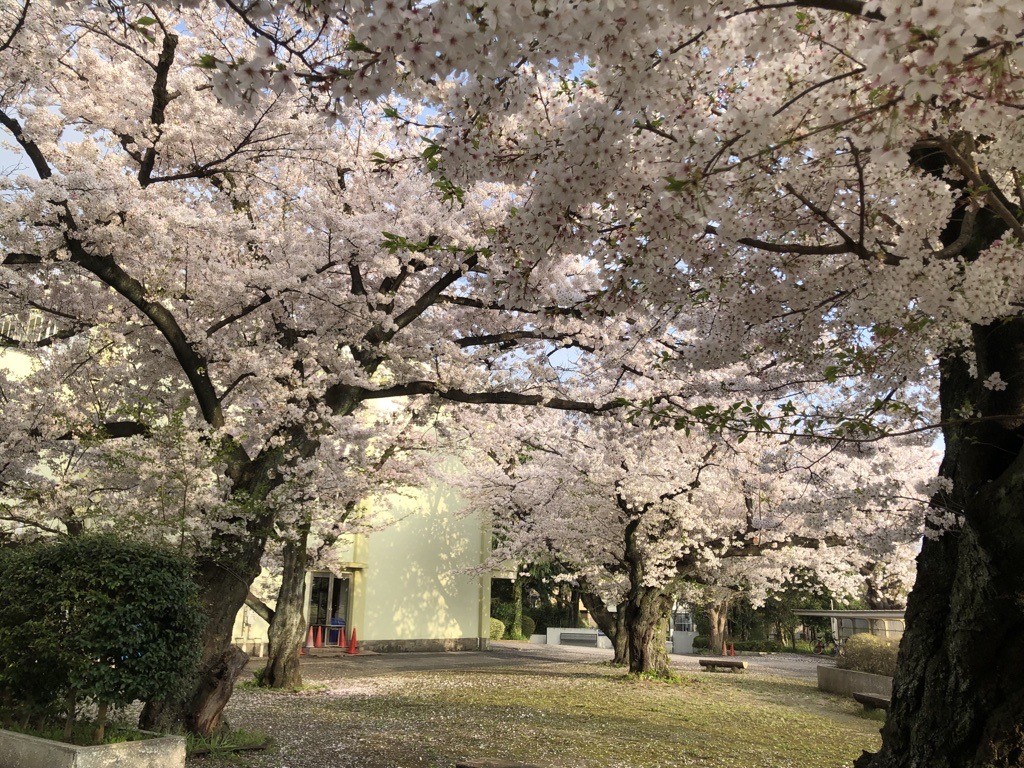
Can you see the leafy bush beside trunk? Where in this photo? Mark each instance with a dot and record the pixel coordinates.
(93, 620)
(868, 653)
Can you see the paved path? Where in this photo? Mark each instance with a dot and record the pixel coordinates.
(516, 654)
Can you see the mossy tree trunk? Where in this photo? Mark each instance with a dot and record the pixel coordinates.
(288, 625)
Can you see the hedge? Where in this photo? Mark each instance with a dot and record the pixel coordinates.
(93, 620)
(528, 626)
(869, 653)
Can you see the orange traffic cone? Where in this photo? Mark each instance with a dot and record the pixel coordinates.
(732, 649)
(353, 645)
(342, 639)
(319, 637)
(309, 638)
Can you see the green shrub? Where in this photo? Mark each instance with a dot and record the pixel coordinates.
(700, 643)
(497, 629)
(758, 646)
(528, 626)
(503, 611)
(93, 620)
(869, 653)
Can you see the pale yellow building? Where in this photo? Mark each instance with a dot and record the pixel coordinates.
(415, 585)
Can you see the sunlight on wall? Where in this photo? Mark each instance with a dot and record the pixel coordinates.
(416, 586)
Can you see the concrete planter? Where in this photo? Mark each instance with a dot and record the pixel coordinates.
(682, 642)
(539, 639)
(23, 751)
(847, 682)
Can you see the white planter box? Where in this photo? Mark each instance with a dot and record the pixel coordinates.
(539, 639)
(18, 750)
(847, 682)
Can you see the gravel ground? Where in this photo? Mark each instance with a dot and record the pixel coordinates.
(791, 665)
(555, 705)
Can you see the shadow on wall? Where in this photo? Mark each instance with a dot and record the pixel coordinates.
(417, 587)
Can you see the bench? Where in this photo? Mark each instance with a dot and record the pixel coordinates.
(578, 638)
(712, 665)
(873, 700)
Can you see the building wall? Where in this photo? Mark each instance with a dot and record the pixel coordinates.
(409, 585)
(414, 585)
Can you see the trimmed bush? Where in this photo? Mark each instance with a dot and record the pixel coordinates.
(758, 646)
(528, 626)
(497, 629)
(869, 653)
(93, 620)
(700, 643)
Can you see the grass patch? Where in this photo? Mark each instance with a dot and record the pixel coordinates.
(82, 733)
(226, 743)
(566, 715)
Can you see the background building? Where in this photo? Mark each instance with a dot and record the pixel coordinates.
(417, 584)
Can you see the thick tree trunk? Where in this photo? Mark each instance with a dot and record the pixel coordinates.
(718, 613)
(958, 701)
(573, 613)
(224, 582)
(288, 627)
(957, 697)
(646, 613)
(612, 623)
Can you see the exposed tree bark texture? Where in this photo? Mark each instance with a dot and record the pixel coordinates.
(261, 609)
(288, 627)
(223, 585)
(644, 611)
(613, 624)
(718, 613)
(957, 698)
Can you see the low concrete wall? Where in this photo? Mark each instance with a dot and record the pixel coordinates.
(847, 682)
(539, 639)
(682, 642)
(18, 750)
(555, 635)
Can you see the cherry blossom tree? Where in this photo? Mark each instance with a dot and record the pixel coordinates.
(258, 275)
(634, 513)
(838, 177)
(833, 183)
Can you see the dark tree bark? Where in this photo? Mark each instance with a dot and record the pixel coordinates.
(288, 626)
(224, 582)
(646, 613)
(957, 697)
(958, 701)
